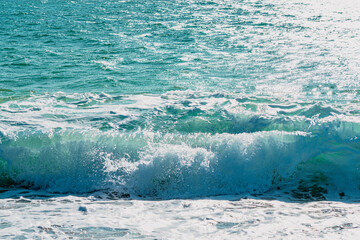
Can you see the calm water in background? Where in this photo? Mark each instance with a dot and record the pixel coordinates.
(159, 100)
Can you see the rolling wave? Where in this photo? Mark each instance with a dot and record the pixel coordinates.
(171, 146)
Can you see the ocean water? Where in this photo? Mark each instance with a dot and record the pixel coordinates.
(138, 119)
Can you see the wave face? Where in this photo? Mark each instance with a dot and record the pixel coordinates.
(179, 145)
(192, 99)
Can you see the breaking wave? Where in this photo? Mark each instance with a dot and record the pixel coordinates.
(173, 147)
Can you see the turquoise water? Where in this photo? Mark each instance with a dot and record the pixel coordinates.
(180, 99)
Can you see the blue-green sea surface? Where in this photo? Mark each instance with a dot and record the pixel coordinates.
(182, 119)
(180, 99)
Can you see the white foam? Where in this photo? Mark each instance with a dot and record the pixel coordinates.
(216, 218)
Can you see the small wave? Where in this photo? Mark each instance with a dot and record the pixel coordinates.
(179, 144)
(168, 165)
